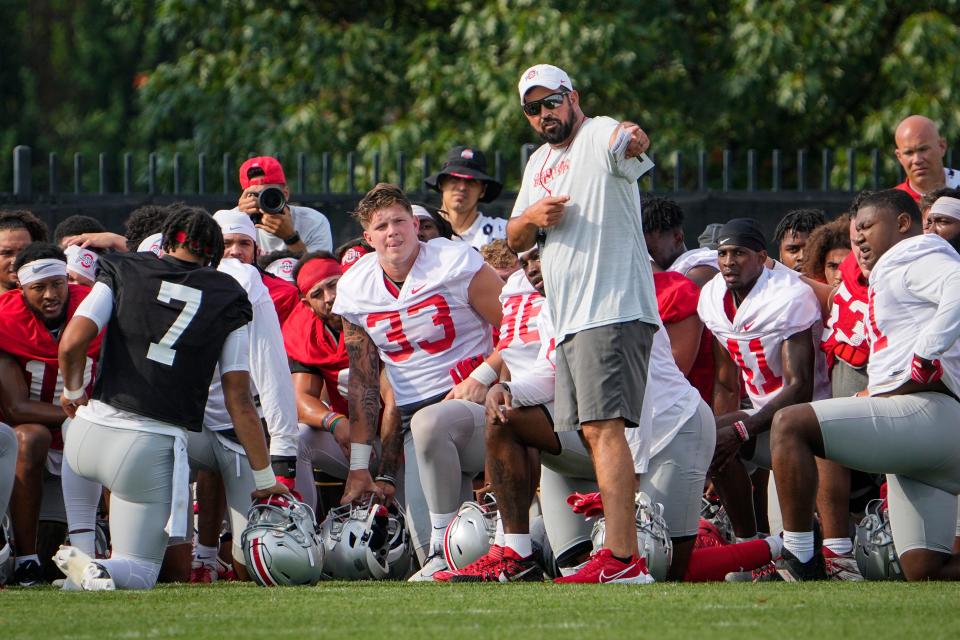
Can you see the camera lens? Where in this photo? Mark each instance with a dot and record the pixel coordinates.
(271, 200)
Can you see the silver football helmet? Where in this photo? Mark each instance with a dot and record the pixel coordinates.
(873, 545)
(280, 544)
(653, 538)
(365, 542)
(471, 532)
(716, 514)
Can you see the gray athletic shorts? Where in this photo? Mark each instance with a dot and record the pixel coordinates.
(137, 468)
(845, 381)
(207, 452)
(915, 440)
(602, 374)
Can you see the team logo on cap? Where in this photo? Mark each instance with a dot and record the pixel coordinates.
(532, 74)
(86, 260)
(467, 154)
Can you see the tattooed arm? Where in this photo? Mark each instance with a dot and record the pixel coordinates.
(391, 437)
(363, 398)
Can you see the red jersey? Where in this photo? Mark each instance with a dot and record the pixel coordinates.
(311, 343)
(26, 338)
(677, 297)
(285, 295)
(845, 335)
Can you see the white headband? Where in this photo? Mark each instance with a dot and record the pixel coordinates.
(41, 269)
(282, 268)
(82, 262)
(153, 244)
(945, 206)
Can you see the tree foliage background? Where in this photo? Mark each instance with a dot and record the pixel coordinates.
(244, 76)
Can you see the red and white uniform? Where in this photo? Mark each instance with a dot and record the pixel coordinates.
(520, 330)
(677, 298)
(779, 306)
(424, 330)
(845, 336)
(310, 342)
(694, 258)
(914, 309)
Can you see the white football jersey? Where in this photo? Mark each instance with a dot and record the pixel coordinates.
(693, 258)
(914, 308)
(483, 231)
(779, 306)
(519, 332)
(428, 327)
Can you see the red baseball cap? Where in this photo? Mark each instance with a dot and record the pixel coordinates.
(271, 168)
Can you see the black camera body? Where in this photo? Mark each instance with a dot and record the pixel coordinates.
(270, 200)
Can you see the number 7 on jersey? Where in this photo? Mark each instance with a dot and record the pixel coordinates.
(163, 351)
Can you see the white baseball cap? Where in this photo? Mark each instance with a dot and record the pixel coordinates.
(152, 243)
(282, 268)
(234, 221)
(420, 212)
(544, 75)
(82, 262)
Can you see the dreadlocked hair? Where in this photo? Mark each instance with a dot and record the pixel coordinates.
(195, 229)
(824, 239)
(799, 221)
(660, 214)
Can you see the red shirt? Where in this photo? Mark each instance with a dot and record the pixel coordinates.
(677, 297)
(311, 343)
(285, 295)
(905, 186)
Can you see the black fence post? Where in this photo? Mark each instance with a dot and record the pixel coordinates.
(102, 171)
(875, 169)
(702, 170)
(227, 173)
(201, 173)
(802, 170)
(127, 173)
(376, 168)
(301, 172)
(22, 172)
(727, 156)
(401, 169)
(53, 172)
(325, 171)
(498, 166)
(677, 170)
(351, 172)
(152, 173)
(751, 170)
(851, 169)
(777, 169)
(425, 172)
(826, 170)
(77, 172)
(653, 172)
(525, 151)
(177, 182)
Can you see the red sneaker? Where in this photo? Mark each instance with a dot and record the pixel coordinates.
(510, 568)
(203, 574)
(484, 563)
(604, 568)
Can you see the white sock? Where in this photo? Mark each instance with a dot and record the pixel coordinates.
(776, 546)
(86, 541)
(755, 536)
(439, 522)
(22, 559)
(520, 543)
(840, 546)
(498, 536)
(131, 573)
(799, 543)
(206, 555)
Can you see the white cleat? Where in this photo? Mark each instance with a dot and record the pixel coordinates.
(434, 564)
(96, 578)
(83, 574)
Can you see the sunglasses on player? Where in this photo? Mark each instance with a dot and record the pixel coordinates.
(552, 101)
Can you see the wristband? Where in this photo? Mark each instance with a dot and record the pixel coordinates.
(484, 374)
(740, 429)
(360, 456)
(330, 420)
(383, 477)
(294, 239)
(264, 478)
(71, 394)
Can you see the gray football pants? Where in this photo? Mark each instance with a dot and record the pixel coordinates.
(443, 452)
(206, 451)
(8, 465)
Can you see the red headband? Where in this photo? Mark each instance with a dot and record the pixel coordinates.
(316, 270)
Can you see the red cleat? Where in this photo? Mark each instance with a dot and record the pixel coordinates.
(603, 568)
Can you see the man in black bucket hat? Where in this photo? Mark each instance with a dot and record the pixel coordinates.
(463, 183)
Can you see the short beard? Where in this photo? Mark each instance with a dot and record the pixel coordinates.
(560, 134)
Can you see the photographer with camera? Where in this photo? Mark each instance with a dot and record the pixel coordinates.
(279, 225)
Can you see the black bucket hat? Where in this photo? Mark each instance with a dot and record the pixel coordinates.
(470, 163)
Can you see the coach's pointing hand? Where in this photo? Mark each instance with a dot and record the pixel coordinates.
(546, 212)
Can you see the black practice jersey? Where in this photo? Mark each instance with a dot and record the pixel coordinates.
(170, 320)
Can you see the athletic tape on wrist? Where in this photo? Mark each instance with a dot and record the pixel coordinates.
(360, 456)
(484, 374)
(264, 478)
(73, 394)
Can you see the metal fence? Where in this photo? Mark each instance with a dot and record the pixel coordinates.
(153, 173)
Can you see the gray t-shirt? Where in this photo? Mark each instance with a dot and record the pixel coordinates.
(313, 227)
(595, 262)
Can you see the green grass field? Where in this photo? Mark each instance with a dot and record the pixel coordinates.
(517, 612)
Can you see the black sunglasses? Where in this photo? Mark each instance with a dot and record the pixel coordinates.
(552, 101)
